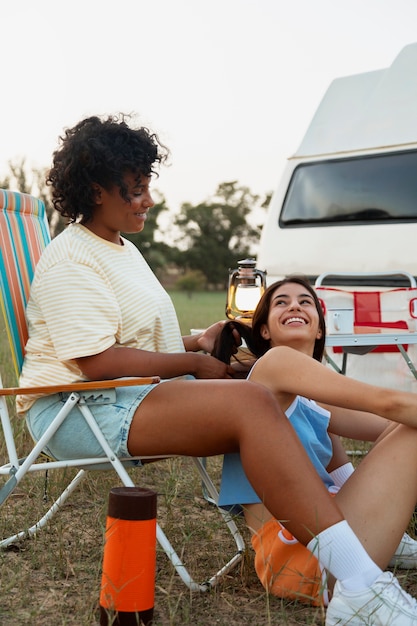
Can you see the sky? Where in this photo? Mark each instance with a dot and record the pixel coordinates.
(229, 86)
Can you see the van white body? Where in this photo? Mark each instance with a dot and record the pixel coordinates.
(347, 199)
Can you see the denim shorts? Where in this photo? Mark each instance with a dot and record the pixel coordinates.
(74, 438)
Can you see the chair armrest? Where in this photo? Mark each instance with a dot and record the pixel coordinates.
(81, 386)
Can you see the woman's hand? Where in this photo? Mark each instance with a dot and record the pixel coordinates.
(206, 366)
(242, 367)
(206, 340)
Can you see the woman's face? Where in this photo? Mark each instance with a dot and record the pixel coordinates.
(112, 214)
(293, 319)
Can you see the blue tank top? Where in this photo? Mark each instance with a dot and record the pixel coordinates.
(310, 422)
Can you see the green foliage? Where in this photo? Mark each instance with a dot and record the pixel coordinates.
(217, 233)
(191, 281)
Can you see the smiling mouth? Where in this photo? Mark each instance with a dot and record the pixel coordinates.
(293, 320)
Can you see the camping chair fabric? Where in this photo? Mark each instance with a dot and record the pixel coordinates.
(379, 310)
(24, 233)
(374, 311)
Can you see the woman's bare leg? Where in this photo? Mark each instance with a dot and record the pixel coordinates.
(256, 515)
(209, 417)
(379, 498)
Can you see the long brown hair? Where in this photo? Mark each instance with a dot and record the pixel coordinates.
(225, 344)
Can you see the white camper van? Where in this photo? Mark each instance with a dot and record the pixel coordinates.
(347, 199)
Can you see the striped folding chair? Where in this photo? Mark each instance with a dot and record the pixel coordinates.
(24, 233)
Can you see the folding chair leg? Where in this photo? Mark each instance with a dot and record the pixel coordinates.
(17, 471)
(233, 529)
(161, 537)
(182, 570)
(43, 521)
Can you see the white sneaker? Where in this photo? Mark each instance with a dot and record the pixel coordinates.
(383, 604)
(405, 556)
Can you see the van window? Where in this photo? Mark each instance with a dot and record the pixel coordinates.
(360, 190)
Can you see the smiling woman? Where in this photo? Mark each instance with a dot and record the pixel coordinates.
(293, 308)
(288, 328)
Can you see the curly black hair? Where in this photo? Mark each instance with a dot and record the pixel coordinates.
(100, 151)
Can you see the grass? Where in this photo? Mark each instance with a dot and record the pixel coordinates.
(54, 579)
(198, 310)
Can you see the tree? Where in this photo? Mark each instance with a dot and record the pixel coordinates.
(216, 233)
(191, 281)
(5, 182)
(33, 183)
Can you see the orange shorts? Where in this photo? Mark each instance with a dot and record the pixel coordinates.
(286, 568)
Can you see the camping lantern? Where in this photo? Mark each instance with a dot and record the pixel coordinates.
(246, 286)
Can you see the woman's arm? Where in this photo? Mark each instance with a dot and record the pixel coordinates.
(357, 425)
(287, 371)
(117, 362)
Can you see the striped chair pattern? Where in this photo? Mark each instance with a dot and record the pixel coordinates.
(24, 233)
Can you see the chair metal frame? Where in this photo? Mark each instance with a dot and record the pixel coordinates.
(32, 224)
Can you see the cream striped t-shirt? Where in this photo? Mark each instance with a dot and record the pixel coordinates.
(87, 295)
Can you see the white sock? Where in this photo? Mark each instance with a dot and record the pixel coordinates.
(341, 474)
(339, 550)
